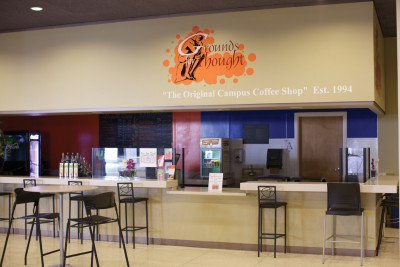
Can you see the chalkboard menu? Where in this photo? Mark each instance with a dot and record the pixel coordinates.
(135, 130)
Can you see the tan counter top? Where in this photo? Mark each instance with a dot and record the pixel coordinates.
(106, 181)
(382, 184)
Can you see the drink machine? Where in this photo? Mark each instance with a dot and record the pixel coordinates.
(22, 153)
(214, 156)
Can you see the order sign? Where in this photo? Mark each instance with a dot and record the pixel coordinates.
(215, 182)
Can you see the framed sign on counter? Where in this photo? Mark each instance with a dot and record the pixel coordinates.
(215, 182)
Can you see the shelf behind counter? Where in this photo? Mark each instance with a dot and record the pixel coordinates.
(98, 181)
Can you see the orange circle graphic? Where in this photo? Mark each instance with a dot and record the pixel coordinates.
(250, 71)
(167, 50)
(166, 63)
(235, 80)
(252, 57)
(178, 36)
(222, 81)
(241, 46)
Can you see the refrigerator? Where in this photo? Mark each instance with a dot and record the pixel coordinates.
(22, 153)
(214, 156)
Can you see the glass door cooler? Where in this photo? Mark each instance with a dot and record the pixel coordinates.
(214, 156)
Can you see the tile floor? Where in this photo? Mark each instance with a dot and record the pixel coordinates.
(173, 256)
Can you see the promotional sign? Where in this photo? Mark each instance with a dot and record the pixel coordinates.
(215, 182)
(148, 157)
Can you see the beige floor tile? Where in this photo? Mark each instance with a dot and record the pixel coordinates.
(110, 255)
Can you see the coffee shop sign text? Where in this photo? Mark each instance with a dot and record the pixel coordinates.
(261, 92)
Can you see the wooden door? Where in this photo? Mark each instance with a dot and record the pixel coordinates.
(320, 140)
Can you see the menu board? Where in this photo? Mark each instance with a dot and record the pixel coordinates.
(116, 130)
(135, 130)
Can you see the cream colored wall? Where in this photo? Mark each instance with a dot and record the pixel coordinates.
(388, 123)
(379, 66)
(119, 66)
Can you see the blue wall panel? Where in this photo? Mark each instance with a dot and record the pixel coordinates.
(361, 123)
(215, 124)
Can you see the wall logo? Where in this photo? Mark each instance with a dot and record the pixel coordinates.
(198, 57)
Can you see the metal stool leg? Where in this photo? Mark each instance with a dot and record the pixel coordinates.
(362, 238)
(333, 235)
(54, 220)
(8, 235)
(147, 225)
(259, 232)
(383, 214)
(126, 223)
(285, 228)
(133, 225)
(323, 243)
(275, 234)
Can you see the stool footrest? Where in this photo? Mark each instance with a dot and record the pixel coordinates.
(78, 254)
(271, 236)
(131, 228)
(51, 252)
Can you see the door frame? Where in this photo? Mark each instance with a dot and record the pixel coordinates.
(298, 115)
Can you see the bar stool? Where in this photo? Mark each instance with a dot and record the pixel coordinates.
(79, 199)
(32, 182)
(267, 200)
(9, 194)
(23, 197)
(387, 201)
(101, 201)
(344, 199)
(126, 196)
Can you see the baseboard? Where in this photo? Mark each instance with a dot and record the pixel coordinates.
(215, 245)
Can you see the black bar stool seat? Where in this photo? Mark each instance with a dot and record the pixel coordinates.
(135, 200)
(267, 200)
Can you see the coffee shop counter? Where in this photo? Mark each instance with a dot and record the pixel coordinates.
(229, 220)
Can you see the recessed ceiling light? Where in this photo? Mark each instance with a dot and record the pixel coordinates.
(37, 8)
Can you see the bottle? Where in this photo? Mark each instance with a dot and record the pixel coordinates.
(89, 171)
(61, 168)
(71, 166)
(76, 166)
(84, 169)
(66, 166)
